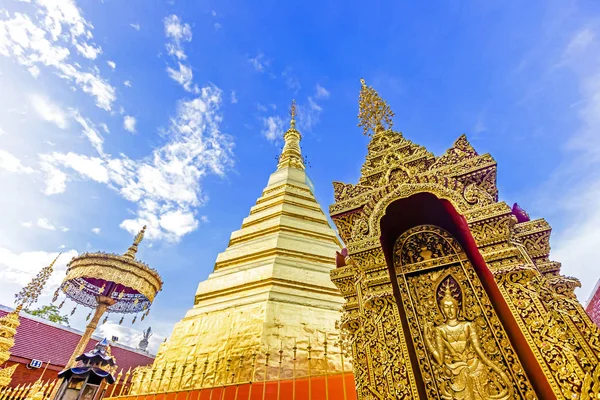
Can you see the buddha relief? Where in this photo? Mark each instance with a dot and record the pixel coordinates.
(463, 370)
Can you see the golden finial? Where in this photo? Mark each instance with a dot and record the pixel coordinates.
(291, 155)
(373, 112)
(134, 247)
(293, 113)
(30, 293)
(140, 236)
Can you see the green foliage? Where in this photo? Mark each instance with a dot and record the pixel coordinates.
(51, 313)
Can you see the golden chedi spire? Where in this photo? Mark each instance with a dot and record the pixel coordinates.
(374, 113)
(131, 252)
(291, 155)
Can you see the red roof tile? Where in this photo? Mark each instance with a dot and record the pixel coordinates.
(43, 340)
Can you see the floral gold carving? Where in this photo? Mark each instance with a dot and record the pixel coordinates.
(560, 335)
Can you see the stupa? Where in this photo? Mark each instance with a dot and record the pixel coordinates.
(269, 292)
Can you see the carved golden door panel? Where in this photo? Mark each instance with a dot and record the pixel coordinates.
(462, 349)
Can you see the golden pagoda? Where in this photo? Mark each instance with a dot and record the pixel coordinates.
(269, 292)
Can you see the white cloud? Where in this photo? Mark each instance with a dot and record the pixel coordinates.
(178, 222)
(135, 26)
(45, 44)
(111, 64)
(49, 111)
(88, 167)
(104, 127)
(260, 107)
(10, 163)
(129, 123)
(96, 231)
(273, 128)
(127, 83)
(17, 270)
(55, 180)
(64, 229)
(45, 224)
(321, 92)
(184, 76)
(291, 82)
(27, 224)
(309, 114)
(259, 63)
(214, 13)
(234, 98)
(177, 32)
(166, 186)
(217, 26)
(90, 131)
(130, 336)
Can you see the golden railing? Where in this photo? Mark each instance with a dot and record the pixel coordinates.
(35, 391)
(296, 374)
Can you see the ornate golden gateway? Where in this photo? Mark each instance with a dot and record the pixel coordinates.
(449, 292)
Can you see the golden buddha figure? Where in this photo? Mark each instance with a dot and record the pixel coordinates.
(464, 371)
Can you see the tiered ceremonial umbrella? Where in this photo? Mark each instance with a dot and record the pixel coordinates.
(110, 283)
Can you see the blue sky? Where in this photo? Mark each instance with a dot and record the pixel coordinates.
(118, 113)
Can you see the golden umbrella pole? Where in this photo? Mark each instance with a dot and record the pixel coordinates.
(103, 303)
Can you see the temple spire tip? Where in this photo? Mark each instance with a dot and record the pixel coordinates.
(131, 252)
(291, 155)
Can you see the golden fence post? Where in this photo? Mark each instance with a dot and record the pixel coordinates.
(162, 375)
(279, 370)
(267, 354)
(341, 343)
(3, 392)
(239, 369)
(142, 389)
(140, 376)
(182, 373)
(51, 387)
(12, 392)
(216, 369)
(25, 391)
(295, 348)
(173, 370)
(18, 391)
(253, 371)
(125, 379)
(114, 386)
(193, 375)
(204, 373)
(309, 348)
(227, 365)
(19, 394)
(326, 368)
(237, 381)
